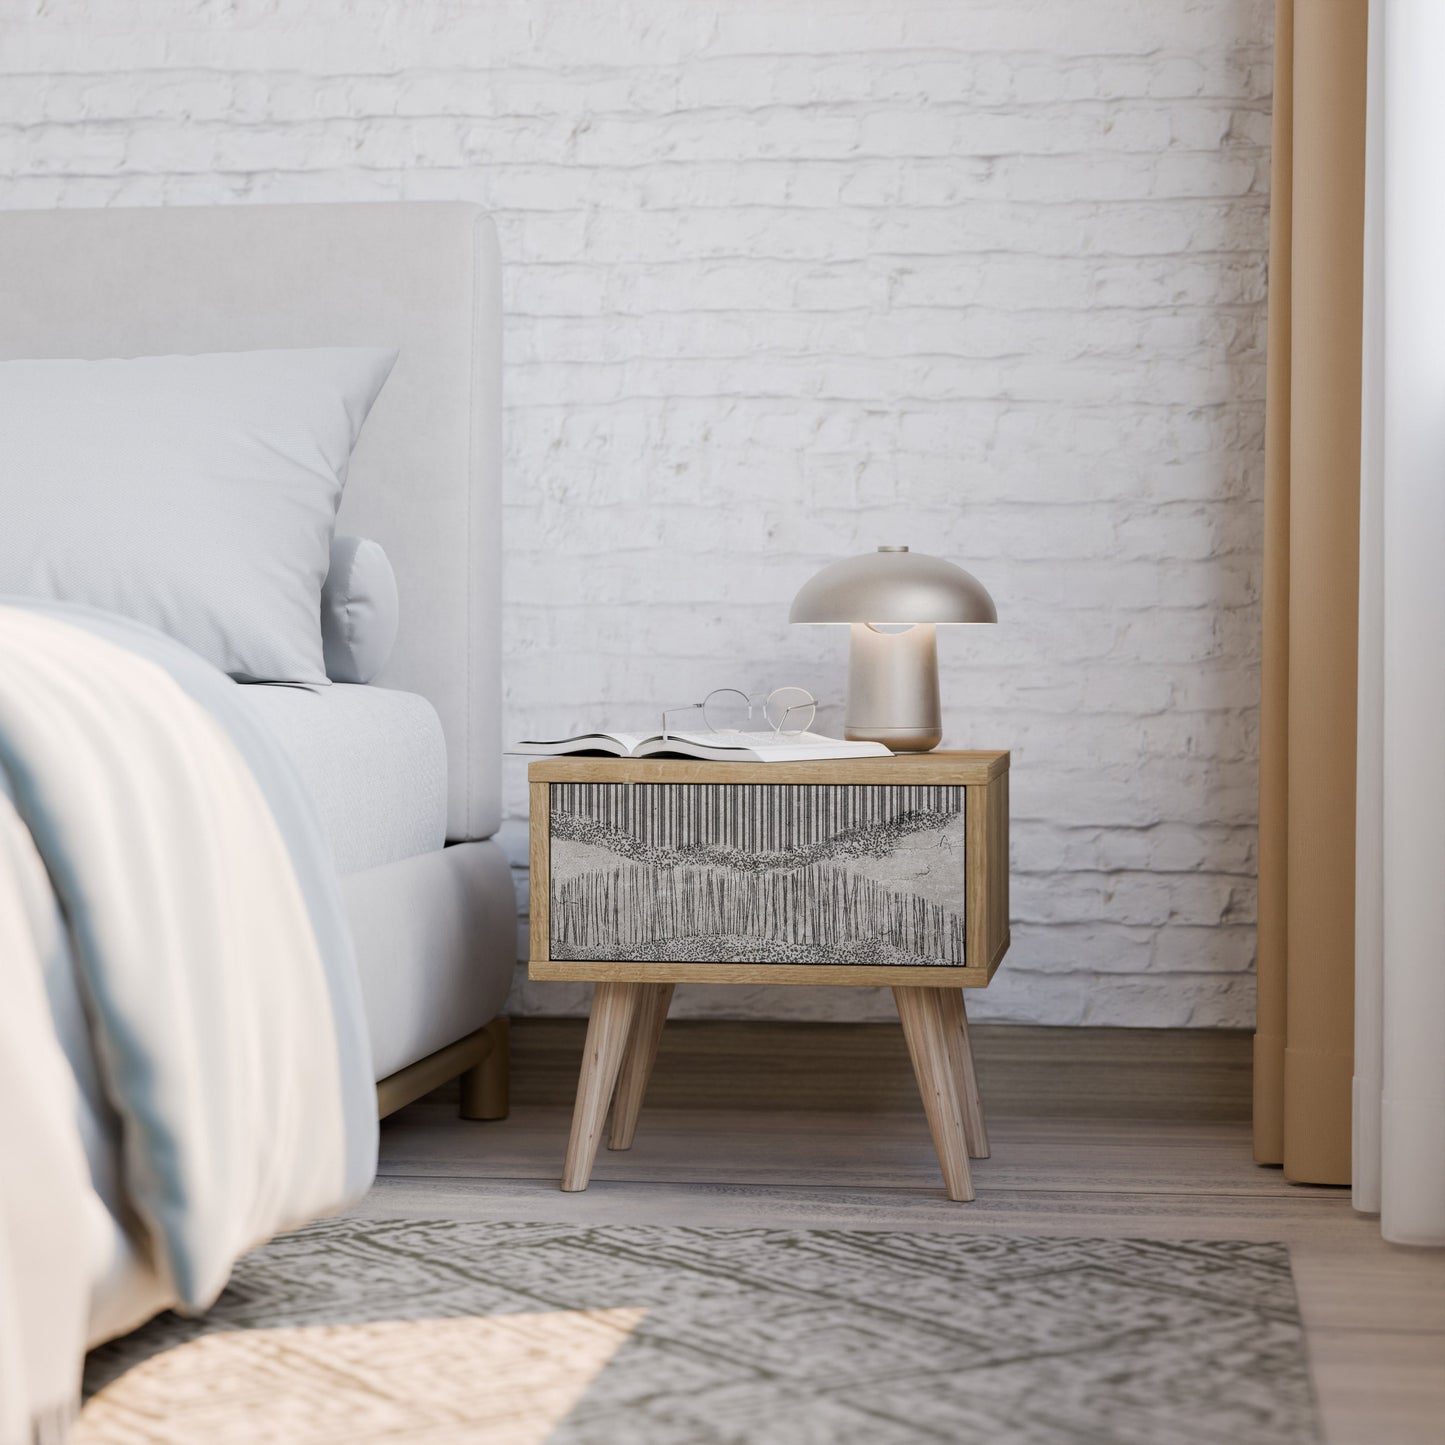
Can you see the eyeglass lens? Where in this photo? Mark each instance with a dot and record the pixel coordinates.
(790, 710)
(726, 710)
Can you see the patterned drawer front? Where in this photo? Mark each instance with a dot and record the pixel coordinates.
(757, 873)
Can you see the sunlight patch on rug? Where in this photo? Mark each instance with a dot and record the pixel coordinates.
(502, 1380)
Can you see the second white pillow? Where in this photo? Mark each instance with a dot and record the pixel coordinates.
(359, 610)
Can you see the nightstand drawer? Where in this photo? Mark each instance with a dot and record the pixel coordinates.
(761, 881)
(757, 873)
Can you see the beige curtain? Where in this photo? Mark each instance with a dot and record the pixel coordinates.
(1304, 1039)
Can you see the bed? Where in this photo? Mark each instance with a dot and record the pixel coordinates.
(435, 926)
(394, 784)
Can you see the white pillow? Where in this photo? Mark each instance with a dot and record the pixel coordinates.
(359, 612)
(195, 493)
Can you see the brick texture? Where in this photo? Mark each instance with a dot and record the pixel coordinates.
(785, 281)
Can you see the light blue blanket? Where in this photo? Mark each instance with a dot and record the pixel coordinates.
(133, 1129)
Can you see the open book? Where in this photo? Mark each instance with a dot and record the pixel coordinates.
(713, 747)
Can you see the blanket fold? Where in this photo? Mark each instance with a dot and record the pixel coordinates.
(219, 1015)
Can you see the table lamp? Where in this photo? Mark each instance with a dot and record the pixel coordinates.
(893, 599)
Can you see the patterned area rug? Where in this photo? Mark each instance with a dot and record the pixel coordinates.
(364, 1331)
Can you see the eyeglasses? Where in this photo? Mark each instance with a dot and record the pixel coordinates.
(787, 711)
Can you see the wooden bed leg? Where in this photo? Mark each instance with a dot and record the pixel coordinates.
(637, 1064)
(486, 1087)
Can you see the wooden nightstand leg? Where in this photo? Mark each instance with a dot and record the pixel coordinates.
(637, 1065)
(613, 1008)
(955, 1023)
(926, 1029)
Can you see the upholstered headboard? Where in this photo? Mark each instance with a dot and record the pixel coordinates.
(425, 479)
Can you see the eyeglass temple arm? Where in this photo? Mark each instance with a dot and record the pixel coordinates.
(685, 707)
(792, 707)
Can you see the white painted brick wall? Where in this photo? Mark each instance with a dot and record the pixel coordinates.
(787, 280)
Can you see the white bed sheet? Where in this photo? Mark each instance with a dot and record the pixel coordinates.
(373, 760)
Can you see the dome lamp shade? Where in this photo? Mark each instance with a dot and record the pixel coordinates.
(893, 585)
(893, 600)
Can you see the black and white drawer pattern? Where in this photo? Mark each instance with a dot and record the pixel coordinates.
(860, 874)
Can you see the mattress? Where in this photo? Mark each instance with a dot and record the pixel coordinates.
(373, 760)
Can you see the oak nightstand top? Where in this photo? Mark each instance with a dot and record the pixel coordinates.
(957, 769)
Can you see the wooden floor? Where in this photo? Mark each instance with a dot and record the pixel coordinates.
(1375, 1314)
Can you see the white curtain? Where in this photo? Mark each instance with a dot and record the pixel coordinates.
(1399, 1094)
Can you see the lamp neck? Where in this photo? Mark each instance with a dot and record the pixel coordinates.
(893, 688)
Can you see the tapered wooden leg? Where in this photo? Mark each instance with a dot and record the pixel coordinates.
(637, 1065)
(614, 1006)
(922, 1013)
(486, 1087)
(955, 1024)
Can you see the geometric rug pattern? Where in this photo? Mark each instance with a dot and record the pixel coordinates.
(428, 1332)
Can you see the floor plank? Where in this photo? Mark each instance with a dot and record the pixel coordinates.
(1379, 1388)
(1178, 1216)
(1353, 1280)
(864, 1067)
(720, 1146)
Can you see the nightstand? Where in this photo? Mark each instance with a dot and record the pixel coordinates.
(650, 873)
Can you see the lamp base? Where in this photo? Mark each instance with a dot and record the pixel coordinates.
(893, 688)
(899, 740)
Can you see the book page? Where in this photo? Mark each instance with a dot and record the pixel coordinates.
(758, 746)
(613, 744)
